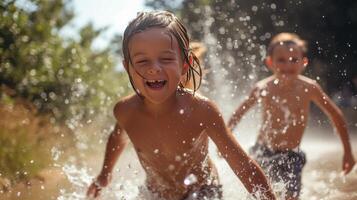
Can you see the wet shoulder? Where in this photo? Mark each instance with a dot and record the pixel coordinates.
(204, 106)
(123, 109)
(308, 83)
(263, 86)
(190, 98)
(265, 83)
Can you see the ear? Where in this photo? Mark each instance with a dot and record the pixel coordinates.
(269, 62)
(186, 66)
(305, 61)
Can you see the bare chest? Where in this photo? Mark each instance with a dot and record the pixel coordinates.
(167, 137)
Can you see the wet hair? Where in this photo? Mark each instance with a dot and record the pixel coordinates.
(199, 49)
(287, 39)
(175, 28)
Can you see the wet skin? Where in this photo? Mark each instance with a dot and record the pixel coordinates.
(169, 127)
(285, 98)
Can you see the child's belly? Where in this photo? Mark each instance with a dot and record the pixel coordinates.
(178, 180)
(288, 139)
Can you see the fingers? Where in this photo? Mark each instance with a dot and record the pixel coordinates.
(93, 191)
(347, 167)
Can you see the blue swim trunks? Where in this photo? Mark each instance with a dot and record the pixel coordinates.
(280, 166)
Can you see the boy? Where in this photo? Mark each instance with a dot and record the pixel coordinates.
(168, 126)
(285, 98)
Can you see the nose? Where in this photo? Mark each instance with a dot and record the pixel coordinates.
(154, 68)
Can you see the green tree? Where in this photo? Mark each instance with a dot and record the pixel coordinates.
(61, 76)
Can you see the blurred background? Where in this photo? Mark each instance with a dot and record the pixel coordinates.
(61, 74)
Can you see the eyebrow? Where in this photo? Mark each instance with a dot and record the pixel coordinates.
(138, 54)
(165, 52)
(169, 51)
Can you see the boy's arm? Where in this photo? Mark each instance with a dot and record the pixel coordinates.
(336, 116)
(243, 166)
(243, 108)
(117, 141)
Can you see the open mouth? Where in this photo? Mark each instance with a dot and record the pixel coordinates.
(156, 84)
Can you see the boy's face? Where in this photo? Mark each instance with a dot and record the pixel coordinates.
(287, 60)
(156, 64)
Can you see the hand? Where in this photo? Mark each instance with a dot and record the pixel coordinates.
(348, 163)
(99, 183)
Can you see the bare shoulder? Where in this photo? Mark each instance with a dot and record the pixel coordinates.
(308, 83)
(124, 107)
(264, 83)
(205, 106)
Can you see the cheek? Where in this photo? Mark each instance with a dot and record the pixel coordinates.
(136, 79)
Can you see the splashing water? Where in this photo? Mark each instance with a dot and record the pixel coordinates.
(321, 176)
(190, 179)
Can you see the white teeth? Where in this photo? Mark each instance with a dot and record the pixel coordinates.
(155, 81)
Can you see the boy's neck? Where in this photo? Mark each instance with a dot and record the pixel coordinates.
(284, 80)
(162, 108)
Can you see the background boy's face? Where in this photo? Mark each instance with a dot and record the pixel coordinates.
(287, 60)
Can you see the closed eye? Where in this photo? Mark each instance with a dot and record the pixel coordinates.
(142, 61)
(167, 59)
(281, 60)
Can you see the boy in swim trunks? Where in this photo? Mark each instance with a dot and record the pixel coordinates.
(285, 97)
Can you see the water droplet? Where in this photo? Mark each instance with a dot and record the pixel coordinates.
(254, 8)
(171, 167)
(182, 111)
(190, 179)
(178, 158)
(264, 93)
(156, 151)
(276, 81)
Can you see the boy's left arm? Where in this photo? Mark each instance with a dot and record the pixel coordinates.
(248, 171)
(336, 116)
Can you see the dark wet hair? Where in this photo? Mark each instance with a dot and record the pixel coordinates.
(287, 39)
(166, 20)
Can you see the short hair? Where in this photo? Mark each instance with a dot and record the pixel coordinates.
(287, 39)
(166, 20)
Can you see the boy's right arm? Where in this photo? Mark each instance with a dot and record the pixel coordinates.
(117, 141)
(243, 108)
(246, 169)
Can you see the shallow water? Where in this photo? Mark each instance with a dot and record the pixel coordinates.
(322, 177)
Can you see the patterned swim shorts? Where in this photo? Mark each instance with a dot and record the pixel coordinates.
(280, 166)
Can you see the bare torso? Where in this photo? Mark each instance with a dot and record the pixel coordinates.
(285, 111)
(182, 149)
